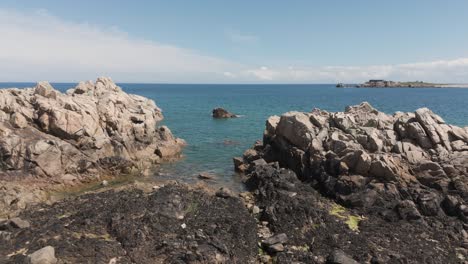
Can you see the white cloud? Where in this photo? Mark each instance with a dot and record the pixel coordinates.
(39, 46)
(447, 71)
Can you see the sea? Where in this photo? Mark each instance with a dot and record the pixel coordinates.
(212, 143)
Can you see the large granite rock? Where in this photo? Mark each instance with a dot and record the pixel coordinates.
(362, 157)
(92, 129)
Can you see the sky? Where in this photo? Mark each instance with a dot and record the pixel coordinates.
(234, 41)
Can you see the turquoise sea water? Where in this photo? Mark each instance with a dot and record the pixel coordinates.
(212, 143)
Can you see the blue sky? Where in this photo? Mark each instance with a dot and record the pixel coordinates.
(235, 41)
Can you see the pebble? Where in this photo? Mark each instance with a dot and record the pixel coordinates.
(19, 223)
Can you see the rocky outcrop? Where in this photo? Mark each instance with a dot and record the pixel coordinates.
(92, 129)
(361, 155)
(410, 167)
(222, 113)
(400, 177)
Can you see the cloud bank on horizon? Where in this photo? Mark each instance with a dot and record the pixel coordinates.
(38, 46)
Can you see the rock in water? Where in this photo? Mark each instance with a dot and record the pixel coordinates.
(222, 113)
(93, 128)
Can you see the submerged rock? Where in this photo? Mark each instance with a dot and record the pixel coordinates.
(222, 113)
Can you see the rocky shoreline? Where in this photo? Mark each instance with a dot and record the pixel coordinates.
(91, 132)
(398, 177)
(358, 186)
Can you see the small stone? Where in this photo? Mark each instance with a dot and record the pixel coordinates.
(19, 223)
(206, 176)
(224, 193)
(104, 183)
(5, 236)
(44, 255)
(259, 162)
(276, 239)
(276, 248)
(339, 257)
(265, 259)
(255, 210)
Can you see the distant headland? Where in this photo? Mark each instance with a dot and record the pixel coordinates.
(393, 84)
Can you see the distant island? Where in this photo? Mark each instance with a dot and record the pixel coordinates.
(393, 84)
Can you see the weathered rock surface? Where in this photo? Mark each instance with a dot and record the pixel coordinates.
(303, 226)
(174, 224)
(94, 128)
(406, 171)
(222, 113)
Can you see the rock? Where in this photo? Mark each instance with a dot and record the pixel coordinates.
(296, 128)
(44, 255)
(206, 176)
(339, 257)
(362, 157)
(104, 183)
(19, 223)
(259, 162)
(276, 239)
(271, 124)
(255, 210)
(224, 192)
(238, 164)
(47, 135)
(18, 120)
(275, 248)
(450, 205)
(222, 113)
(408, 211)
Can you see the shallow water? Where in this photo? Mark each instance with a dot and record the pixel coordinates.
(212, 143)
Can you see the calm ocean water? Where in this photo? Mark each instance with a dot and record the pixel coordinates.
(212, 143)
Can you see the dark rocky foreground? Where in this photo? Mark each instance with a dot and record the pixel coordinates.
(173, 224)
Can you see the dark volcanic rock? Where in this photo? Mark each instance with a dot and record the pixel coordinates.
(172, 225)
(222, 113)
(317, 228)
